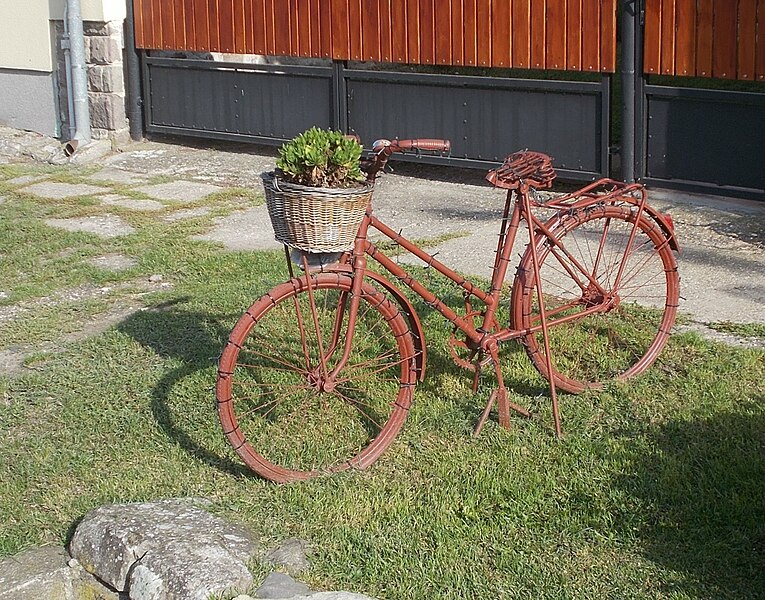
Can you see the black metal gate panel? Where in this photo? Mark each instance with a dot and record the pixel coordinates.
(259, 103)
(487, 118)
(705, 140)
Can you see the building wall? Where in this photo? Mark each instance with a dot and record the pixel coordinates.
(30, 55)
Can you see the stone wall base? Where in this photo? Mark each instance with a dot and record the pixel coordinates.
(106, 80)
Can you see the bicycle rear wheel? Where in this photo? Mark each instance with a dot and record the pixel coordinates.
(631, 319)
(285, 418)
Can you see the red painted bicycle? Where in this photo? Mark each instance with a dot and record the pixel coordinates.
(319, 374)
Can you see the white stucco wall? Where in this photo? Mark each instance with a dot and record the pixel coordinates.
(26, 38)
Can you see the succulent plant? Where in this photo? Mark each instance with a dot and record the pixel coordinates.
(321, 158)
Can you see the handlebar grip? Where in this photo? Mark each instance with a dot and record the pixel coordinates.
(427, 145)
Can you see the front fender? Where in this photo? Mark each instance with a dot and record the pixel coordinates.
(418, 334)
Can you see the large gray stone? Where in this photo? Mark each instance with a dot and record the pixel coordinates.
(168, 550)
(47, 573)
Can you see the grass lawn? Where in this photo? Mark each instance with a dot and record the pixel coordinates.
(657, 490)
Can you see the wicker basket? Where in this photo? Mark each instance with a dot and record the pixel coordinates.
(315, 219)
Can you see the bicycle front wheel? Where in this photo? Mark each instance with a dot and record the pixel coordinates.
(610, 303)
(285, 416)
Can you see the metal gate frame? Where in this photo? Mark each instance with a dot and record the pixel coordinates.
(324, 96)
(718, 158)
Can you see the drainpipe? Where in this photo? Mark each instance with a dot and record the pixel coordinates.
(134, 102)
(629, 25)
(79, 78)
(68, 73)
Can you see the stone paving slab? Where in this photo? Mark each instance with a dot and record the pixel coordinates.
(180, 191)
(57, 191)
(113, 262)
(131, 203)
(25, 179)
(243, 230)
(186, 213)
(106, 226)
(112, 175)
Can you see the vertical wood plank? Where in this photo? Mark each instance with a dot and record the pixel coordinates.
(538, 33)
(294, 27)
(226, 25)
(168, 24)
(281, 11)
(652, 37)
(458, 32)
(370, 30)
(500, 34)
(303, 27)
(140, 26)
(314, 18)
(179, 25)
(747, 38)
(427, 33)
(341, 49)
(521, 42)
(443, 32)
(608, 36)
(470, 32)
(386, 32)
(685, 37)
(591, 35)
(190, 26)
(201, 33)
(704, 38)
(483, 28)
(268, 26)
(399, 31)
(354, 28)
(156, 23)
(724, 58)
(325, 12)
(413, 30)
(240, 35)
(555, 44)
(760, 51)
(574, 35)
(258, 26)
(249, 34)
(668, 24)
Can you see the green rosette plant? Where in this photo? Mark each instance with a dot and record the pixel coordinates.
(321, 158)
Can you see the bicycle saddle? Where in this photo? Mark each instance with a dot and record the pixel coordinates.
(532, 168)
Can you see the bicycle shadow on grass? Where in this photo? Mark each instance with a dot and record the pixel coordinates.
(183, 400)
(703, 502)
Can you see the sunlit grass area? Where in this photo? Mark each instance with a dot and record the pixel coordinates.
(656, 490)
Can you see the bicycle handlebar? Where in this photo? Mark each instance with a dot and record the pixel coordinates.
(425, 145)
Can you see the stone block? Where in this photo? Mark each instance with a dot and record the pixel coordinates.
(103, 50)
(48, 573)
(96, 28)
(106, 78)
(107, 111)
(167, 550)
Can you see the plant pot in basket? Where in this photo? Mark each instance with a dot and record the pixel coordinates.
(317, 196)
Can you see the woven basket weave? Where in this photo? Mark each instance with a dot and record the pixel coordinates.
(315, 219)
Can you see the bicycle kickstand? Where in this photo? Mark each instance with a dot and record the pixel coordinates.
(500, 396)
